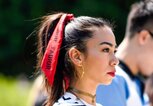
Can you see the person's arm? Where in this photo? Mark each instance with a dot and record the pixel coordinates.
(114, 94)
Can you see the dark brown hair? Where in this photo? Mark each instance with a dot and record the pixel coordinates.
(140, 18)
(76, 33)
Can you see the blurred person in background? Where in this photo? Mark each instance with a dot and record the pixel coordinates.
(75, 55)
(149, 89)
(136, 60)
(38, 94)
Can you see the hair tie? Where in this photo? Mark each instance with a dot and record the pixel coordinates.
(50, 58)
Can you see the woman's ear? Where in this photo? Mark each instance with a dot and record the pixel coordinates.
(143, 37)
(76, 56)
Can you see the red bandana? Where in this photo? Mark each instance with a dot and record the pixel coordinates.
(50, 58)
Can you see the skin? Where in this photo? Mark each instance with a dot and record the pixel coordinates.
(97, 63)
(137, 53)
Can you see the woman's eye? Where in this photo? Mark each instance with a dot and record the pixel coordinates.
(106, 50)
(115, 51)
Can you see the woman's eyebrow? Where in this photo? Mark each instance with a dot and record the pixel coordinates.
(107, 43)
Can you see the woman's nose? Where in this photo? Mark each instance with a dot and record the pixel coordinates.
(114, 61)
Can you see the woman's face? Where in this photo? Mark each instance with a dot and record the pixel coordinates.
(100, 61)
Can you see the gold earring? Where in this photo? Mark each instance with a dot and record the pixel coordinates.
(82, 72)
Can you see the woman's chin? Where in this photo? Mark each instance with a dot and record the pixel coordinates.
(107, 82)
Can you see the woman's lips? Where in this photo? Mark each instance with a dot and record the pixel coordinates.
(111, 73)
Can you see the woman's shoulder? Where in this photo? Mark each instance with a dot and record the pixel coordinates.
(68, 99)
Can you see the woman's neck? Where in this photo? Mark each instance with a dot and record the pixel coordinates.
(85, 90)
(125, 54)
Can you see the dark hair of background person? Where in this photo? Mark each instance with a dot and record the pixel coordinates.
(140, 17)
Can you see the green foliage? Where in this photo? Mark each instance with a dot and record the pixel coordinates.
(13, 92)
(16, 23)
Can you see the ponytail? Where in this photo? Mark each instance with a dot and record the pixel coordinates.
(52, 61)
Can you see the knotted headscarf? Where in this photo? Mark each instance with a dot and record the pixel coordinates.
(50, 58)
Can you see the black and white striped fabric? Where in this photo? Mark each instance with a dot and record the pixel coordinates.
(69, 99)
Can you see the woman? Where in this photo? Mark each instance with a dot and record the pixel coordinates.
(76, 55)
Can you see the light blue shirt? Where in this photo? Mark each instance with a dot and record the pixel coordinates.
(114, 94)
(123, 91)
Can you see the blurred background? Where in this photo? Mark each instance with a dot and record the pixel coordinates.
(18, 20)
